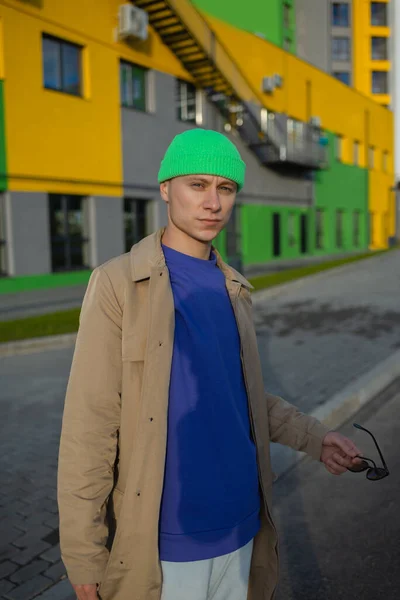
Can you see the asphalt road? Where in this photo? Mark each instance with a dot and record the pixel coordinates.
(340, 535)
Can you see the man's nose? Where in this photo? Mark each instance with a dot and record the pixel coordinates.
(212, 199)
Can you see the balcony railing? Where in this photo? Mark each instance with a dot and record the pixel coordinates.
(286, 141)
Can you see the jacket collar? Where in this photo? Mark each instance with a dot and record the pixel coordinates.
(148, 255)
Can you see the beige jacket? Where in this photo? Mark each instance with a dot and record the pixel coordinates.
(113, 441)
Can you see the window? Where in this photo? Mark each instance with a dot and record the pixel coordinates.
(356, 229)
(356, 152)
(371, 228)
(68, 232)
(385, 227)
(133, 81)
(340, 49)
(340, 14)
(3, 264)
(385, 161)
(378, 14)
(135, 221)
(286, 16)
(287, 44)
(276, 230)
(371, 157)
(319, 229)
(379, 48)
(379, 82)
(343, 76)
(292, 229)
(339, 229)
(186, 101)
(62, 66)
(338, 146)
(233, 233)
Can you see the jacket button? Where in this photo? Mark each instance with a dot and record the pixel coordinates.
(138, 493)
(160, 343)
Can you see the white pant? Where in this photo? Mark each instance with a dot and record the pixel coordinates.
(222, 578)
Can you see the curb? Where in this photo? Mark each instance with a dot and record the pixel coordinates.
(341, 407)
(51, 342)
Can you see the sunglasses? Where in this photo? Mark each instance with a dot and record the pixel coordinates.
(374, 473)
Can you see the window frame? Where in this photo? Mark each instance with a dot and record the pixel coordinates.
(339, 238)
(385, 161)
(339, 57)
(385, 10)
(139, 220)
(336, 73)
(143, 104)
(340, 5)
(356, 152)
(356, 228)
(181, 108)
(380, 38)
(371, 157)
(61, 43)
(287, 44)
(3, 241)
(66, 237)
(319, 229)
(385, 89)
(287, 16)
(338, 147)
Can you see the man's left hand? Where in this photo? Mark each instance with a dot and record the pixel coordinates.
(338, 453)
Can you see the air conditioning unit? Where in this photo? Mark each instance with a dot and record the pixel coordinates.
(315, 122)
(278, 80)
(133, 22)
(268, 85)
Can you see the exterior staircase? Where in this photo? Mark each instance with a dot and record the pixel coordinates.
(183, 29)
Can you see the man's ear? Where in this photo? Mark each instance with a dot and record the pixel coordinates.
(164, 190)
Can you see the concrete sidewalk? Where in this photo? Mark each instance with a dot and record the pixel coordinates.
(40, 302)
(326, 341)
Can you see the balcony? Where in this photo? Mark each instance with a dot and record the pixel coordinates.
(284, 141)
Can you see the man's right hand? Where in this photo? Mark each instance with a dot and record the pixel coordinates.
(86, 592)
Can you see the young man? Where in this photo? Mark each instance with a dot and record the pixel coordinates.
(167, 427)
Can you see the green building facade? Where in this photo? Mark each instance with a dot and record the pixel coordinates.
(274, 20)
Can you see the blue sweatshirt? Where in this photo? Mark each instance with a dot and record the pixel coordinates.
(211, 500)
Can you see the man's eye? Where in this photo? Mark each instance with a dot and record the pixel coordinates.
(227, 189)
(197, 184)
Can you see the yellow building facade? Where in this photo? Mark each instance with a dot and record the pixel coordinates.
(372, 61)
(58, 143)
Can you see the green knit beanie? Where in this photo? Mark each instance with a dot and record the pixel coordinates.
(202, 152)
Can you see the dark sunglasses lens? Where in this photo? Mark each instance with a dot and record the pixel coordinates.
(376, 473)
(362, 466)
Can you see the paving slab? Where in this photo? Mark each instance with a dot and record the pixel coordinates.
(315, 338)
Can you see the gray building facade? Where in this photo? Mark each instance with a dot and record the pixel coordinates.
(324, 31)
(46, 232)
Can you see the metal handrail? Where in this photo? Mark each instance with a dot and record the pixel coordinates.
(245, 93)
(206, 38)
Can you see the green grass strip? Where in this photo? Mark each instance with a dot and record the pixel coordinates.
(270, 280)
(31, 327)
(67, 321)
